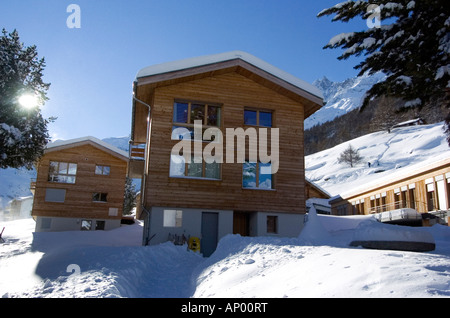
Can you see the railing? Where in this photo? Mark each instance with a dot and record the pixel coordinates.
(137, 151)
(33, 184)
(399, 214)
(416, 205)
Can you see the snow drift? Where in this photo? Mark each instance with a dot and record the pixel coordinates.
(319, 263)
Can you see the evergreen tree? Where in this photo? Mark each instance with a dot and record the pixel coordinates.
(411, 46)
(350, 156)
(129, 199)
(23, 131)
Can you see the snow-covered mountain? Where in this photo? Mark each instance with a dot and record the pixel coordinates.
(341, 97)
(387, 153)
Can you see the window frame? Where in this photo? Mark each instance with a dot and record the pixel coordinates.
(100, 196)
(257, 176)
(258, 117)
(187, 166)
(53, 176)
(189, 124)
(103, 169)
(100, 225)
(172, 218)
(83, 227)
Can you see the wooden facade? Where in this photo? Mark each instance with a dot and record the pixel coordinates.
(235, 86)
(88, 184)
(424, 189)
(235, 89)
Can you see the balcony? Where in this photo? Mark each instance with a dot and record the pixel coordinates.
(416, 205)
(137, 159)
(33, 185)
(409, 213)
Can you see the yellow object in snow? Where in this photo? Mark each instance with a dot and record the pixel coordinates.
(194, 244)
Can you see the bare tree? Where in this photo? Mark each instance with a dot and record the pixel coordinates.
(350, 156)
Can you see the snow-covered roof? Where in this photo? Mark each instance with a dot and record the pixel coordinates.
(430, 164)
(87, 139)
(228, 56)
(404, 152)
(312, 183)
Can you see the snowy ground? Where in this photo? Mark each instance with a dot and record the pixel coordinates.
(317, 264)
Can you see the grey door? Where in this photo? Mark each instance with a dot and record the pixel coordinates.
(210, 227)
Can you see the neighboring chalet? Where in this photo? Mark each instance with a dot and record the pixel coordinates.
(18, 208)
(211, 199)
(80, 185)
(418, 195)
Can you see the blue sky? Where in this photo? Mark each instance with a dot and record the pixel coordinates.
(91, 69)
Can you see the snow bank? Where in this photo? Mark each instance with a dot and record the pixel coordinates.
(372, 230)
(280, 267)
(314, 232)
(108, 264)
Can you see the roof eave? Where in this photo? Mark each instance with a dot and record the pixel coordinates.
(239, 65)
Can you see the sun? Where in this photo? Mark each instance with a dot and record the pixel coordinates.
(29, 101)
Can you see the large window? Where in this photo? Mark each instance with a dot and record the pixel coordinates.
(186, 113)
(257, 175)
(197, 168)
(62, 172)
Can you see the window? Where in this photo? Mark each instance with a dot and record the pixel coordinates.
(113, 212)
(102, 170)
(257, 175)
(258, 118)
(86, 225)
(430, 194)
(99, 197)
(99, 225)
(62, 172)
(397, 202)
(172, 218)
(199, 169)
(272, 224)
(55, 195)
(412, 196)
(185, 114)
(46, 223)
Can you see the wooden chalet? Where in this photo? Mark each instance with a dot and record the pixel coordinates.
(210, 200)
(80, 185)
(418, 195)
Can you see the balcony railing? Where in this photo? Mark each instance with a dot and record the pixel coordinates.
(137, 159)
(33, 184)
(137, 151)
(416, 205)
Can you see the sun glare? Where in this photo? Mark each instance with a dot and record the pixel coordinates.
(28, 101)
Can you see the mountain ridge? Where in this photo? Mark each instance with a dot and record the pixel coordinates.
(341, 97)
